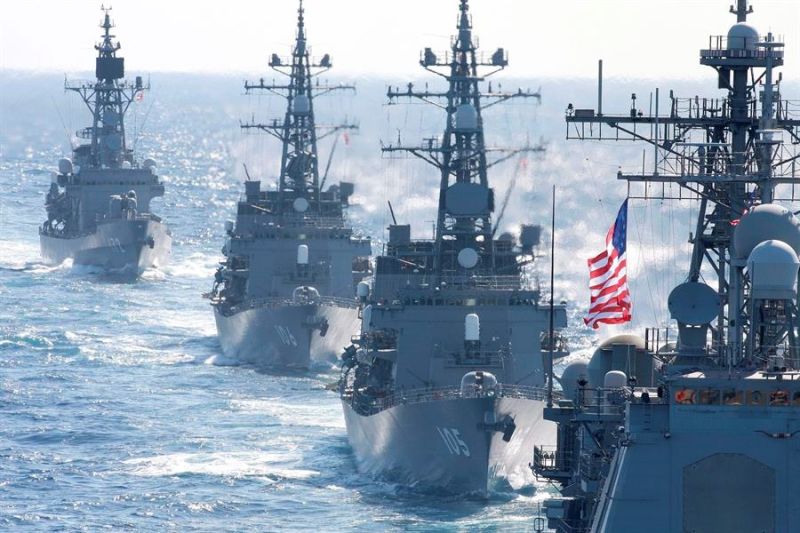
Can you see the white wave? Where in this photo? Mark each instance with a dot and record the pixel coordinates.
(220, 360)
(195, 266)
(18, 255)
(228, 464)
(324, 416)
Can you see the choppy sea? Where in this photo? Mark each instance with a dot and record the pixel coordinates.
(118, 410)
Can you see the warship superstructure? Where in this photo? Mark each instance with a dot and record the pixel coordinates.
(286, 290)
(701, 434)
(98, 205)
(443, 388)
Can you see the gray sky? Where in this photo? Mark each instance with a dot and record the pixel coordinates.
(636, 38)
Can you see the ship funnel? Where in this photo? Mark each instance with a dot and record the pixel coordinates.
(472, 328)
(302, 254)
(772, 267)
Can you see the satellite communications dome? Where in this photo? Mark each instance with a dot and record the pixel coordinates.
(742, 36)
(574, 372)
(624, 352)
(765, 222)
(773, 270)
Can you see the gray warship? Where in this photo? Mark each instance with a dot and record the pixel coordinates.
(286, 290)
(98, 205)
(443, 388)
(701, 433)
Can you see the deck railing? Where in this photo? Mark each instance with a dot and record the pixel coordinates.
(370, 403)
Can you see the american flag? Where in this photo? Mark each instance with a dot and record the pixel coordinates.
(608, 280)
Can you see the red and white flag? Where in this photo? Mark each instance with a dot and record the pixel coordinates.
(610, 301)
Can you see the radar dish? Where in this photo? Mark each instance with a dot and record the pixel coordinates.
(693, 303)
(300, 205)
(468, 258)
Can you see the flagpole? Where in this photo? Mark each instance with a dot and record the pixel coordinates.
(552, 303)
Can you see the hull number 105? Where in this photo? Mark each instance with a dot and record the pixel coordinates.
(452, 439)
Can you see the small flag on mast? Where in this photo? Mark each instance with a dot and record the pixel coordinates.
(610, 301)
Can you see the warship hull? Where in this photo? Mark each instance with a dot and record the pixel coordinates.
(445, 444)
(286, 335)
(124, 246)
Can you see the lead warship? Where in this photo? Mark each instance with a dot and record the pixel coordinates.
(443, 388)
(712, 444)
(98, 205)
(286, 290)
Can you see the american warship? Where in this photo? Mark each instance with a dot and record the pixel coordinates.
(98, 205)
(286, 290)
(702, 433)
(443, 387)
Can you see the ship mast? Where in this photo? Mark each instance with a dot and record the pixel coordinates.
(726, 152)
(466, 202)
(298, 131)
(108, 99)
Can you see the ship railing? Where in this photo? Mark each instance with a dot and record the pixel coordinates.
(559, 343)
(485, 282)
(370, 403)
(602, 401)
(325, 222)
(719, 45)
(280, 301)
(551, 462)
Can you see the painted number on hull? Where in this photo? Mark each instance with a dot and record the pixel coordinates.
(452, 439)
(286, 336)
(114, 243)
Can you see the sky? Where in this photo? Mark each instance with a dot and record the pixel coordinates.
(382, 38)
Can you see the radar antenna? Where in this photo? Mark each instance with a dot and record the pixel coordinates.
(728, 153)
(298, 131)
(466, 202)
(108, 99)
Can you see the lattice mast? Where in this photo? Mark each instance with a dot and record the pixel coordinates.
(727, 152)
(298, 131)
(108, 99)
(461, 155)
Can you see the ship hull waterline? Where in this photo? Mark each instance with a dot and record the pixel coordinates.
(286, 336)
(445, 444)
(120, 246)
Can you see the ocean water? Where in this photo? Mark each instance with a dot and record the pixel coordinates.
(118, 410)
